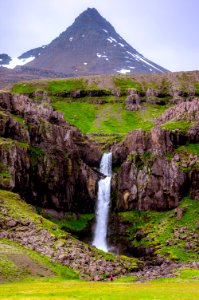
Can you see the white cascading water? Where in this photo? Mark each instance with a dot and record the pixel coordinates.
(103, 202)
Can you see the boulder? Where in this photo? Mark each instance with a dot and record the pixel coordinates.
(132, 102)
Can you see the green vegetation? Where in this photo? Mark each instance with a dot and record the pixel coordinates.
(55, 86)
(188, 149)
(20, 210)
(65, 85)
(65, 290)
(126, 279)
(197, 88)
(23, 88)
(163, 231)
(79, 114)
(22, 213)
(73, 223)
(152, 84)
(105, 114)
(182, 125)
(165, 87)
(19, 119)
(52, 86)
(123, 84)
(108, 118)
(106, 140)
(36, 151)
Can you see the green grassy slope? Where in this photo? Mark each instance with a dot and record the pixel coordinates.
(18, 263)
(18, 212)
(100, 106)
(170, 236)
(161, 83)
(108, 118)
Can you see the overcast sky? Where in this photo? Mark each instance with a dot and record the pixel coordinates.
(164, 31)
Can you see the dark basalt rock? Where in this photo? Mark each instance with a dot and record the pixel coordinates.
(147, 179)
(48, 161)
(4, 59)
(157, 185)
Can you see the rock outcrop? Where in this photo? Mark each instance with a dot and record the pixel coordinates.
(188, 110)
(132, 101)
(150, 175)
(150, 184)
(44, 159)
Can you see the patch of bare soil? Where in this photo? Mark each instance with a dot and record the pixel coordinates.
(29, 266)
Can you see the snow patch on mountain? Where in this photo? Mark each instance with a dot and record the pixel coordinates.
(122, 45)
(144, 60)
(18, 62)
(124, 71)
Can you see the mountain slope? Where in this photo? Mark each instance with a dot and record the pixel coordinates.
(89, 46)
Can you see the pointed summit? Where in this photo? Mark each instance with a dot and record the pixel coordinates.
(90, 46)
(91, 15)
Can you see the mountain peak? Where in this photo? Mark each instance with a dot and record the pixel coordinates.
(90, 46)
(90, 12)
(91, 18)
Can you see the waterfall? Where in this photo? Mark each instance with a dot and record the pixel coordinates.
(103, 201)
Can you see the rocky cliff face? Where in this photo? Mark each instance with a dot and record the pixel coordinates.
(152, 175)
(45, 160)
(150, 184)
(51, 164)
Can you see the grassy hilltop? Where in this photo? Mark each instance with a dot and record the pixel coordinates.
(99, 107)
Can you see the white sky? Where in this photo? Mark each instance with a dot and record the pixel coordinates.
(164, 31)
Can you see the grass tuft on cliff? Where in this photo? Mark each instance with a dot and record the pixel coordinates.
(182, 125)
(72, 223)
